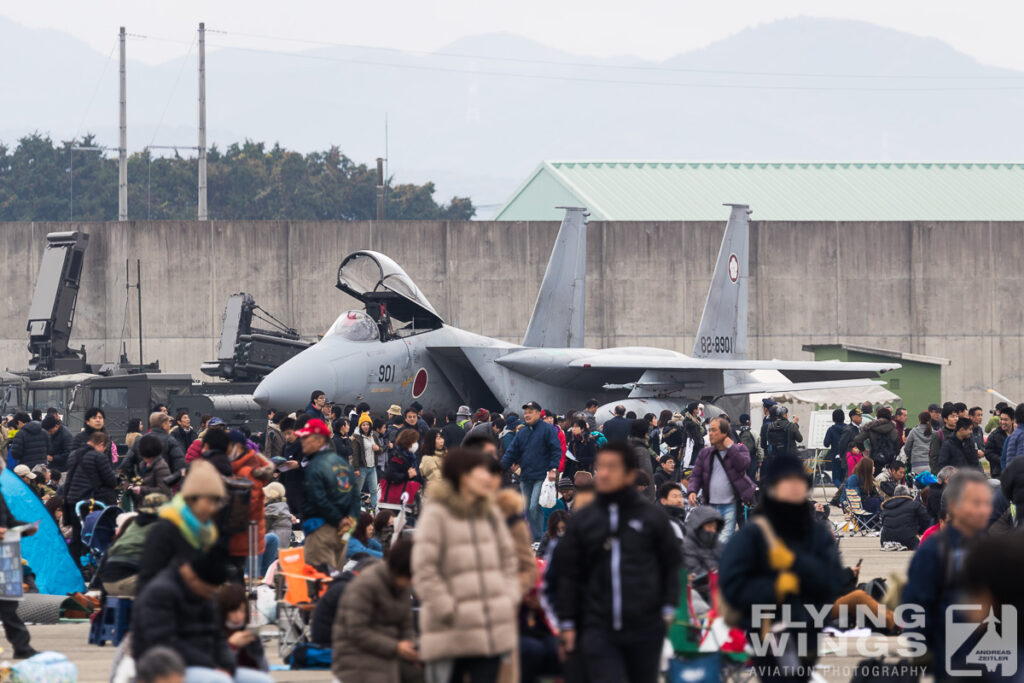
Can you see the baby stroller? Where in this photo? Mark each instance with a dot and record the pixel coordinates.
(99, 526)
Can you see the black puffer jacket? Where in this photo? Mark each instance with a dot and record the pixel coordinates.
(30, 445)
(90, 476)
(903, 519)
(958, 454)
(167, 613)
(80, 442)
(60, 448)
(618, 564)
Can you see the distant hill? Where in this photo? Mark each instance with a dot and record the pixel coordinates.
(479, 135)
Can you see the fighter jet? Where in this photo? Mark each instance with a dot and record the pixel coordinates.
(398, 349)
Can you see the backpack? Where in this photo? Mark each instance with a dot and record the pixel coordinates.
(235, 515)
(882, 449)
(747, 439)
(778, 439)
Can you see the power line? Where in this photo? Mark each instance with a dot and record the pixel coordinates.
(95, 90)
(174, 89)
(629, 67)
(610, 81)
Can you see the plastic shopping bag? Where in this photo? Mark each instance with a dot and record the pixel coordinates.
(548, 494)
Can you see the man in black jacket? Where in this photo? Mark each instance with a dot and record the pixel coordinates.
(994, 442)
(60, 443)
(30, 444)
(959, 451)
(850, 433)
(183, 432)
(176, 610)
(14, 628)
(617, 428)
(618, 576)
(95, 419)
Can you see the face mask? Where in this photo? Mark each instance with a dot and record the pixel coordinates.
(413, 448)
(561, 532)
(234, 625)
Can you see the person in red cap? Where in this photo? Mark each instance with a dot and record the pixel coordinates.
(331, 502)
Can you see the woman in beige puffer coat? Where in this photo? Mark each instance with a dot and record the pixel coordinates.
(464, 573)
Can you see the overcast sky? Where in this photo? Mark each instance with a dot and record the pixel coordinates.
(985, 29)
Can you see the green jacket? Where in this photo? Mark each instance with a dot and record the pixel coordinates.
(330, 489)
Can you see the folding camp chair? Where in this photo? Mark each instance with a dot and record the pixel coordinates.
(859, 522)
(300, 585)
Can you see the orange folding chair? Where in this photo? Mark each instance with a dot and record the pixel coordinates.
(302, 586)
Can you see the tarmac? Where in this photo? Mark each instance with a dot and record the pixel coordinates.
(94, 662)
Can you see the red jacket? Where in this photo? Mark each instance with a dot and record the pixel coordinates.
(194, 452)
(561, 440)
(259, 471)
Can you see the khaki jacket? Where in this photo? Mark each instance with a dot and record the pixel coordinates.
(464, 572)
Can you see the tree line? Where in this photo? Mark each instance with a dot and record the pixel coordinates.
(45, 181)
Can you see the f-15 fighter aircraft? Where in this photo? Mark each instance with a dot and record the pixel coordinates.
(398, 349)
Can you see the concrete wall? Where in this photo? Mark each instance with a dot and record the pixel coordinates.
(941, 289)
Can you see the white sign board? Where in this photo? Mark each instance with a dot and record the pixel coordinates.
(820, 421)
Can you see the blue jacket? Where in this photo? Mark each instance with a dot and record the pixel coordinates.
(932, 583)
(1013, 446)
(832, 438)
(372, 547)
(535, 449)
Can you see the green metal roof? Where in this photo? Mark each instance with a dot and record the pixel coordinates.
(799, 191)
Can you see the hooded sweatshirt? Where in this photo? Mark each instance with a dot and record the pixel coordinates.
(701, 549)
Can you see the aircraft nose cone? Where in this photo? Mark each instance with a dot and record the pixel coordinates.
(288, 387)
(262, 395)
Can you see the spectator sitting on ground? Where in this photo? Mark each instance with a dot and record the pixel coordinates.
(55, 506)
(362, 540)
(185, 530)
(556, 529)
(903, 519)
(890, 477)
(177, 609)
(233, 610)
(120, 570)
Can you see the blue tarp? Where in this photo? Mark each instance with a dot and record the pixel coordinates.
(46, 551)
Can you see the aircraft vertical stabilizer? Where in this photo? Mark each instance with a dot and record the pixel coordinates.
(723, 326)
(558, 315)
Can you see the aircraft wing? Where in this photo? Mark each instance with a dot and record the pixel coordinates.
(795, 371)
(658, 371)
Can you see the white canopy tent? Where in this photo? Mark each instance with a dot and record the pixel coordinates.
(801, 403)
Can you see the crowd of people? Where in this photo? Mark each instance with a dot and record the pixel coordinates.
(534, 544)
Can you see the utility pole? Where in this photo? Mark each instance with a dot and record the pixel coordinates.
(202, 123)
(122, 150)
(380, 188)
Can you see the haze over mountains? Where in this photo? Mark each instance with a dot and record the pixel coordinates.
(877, 94)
